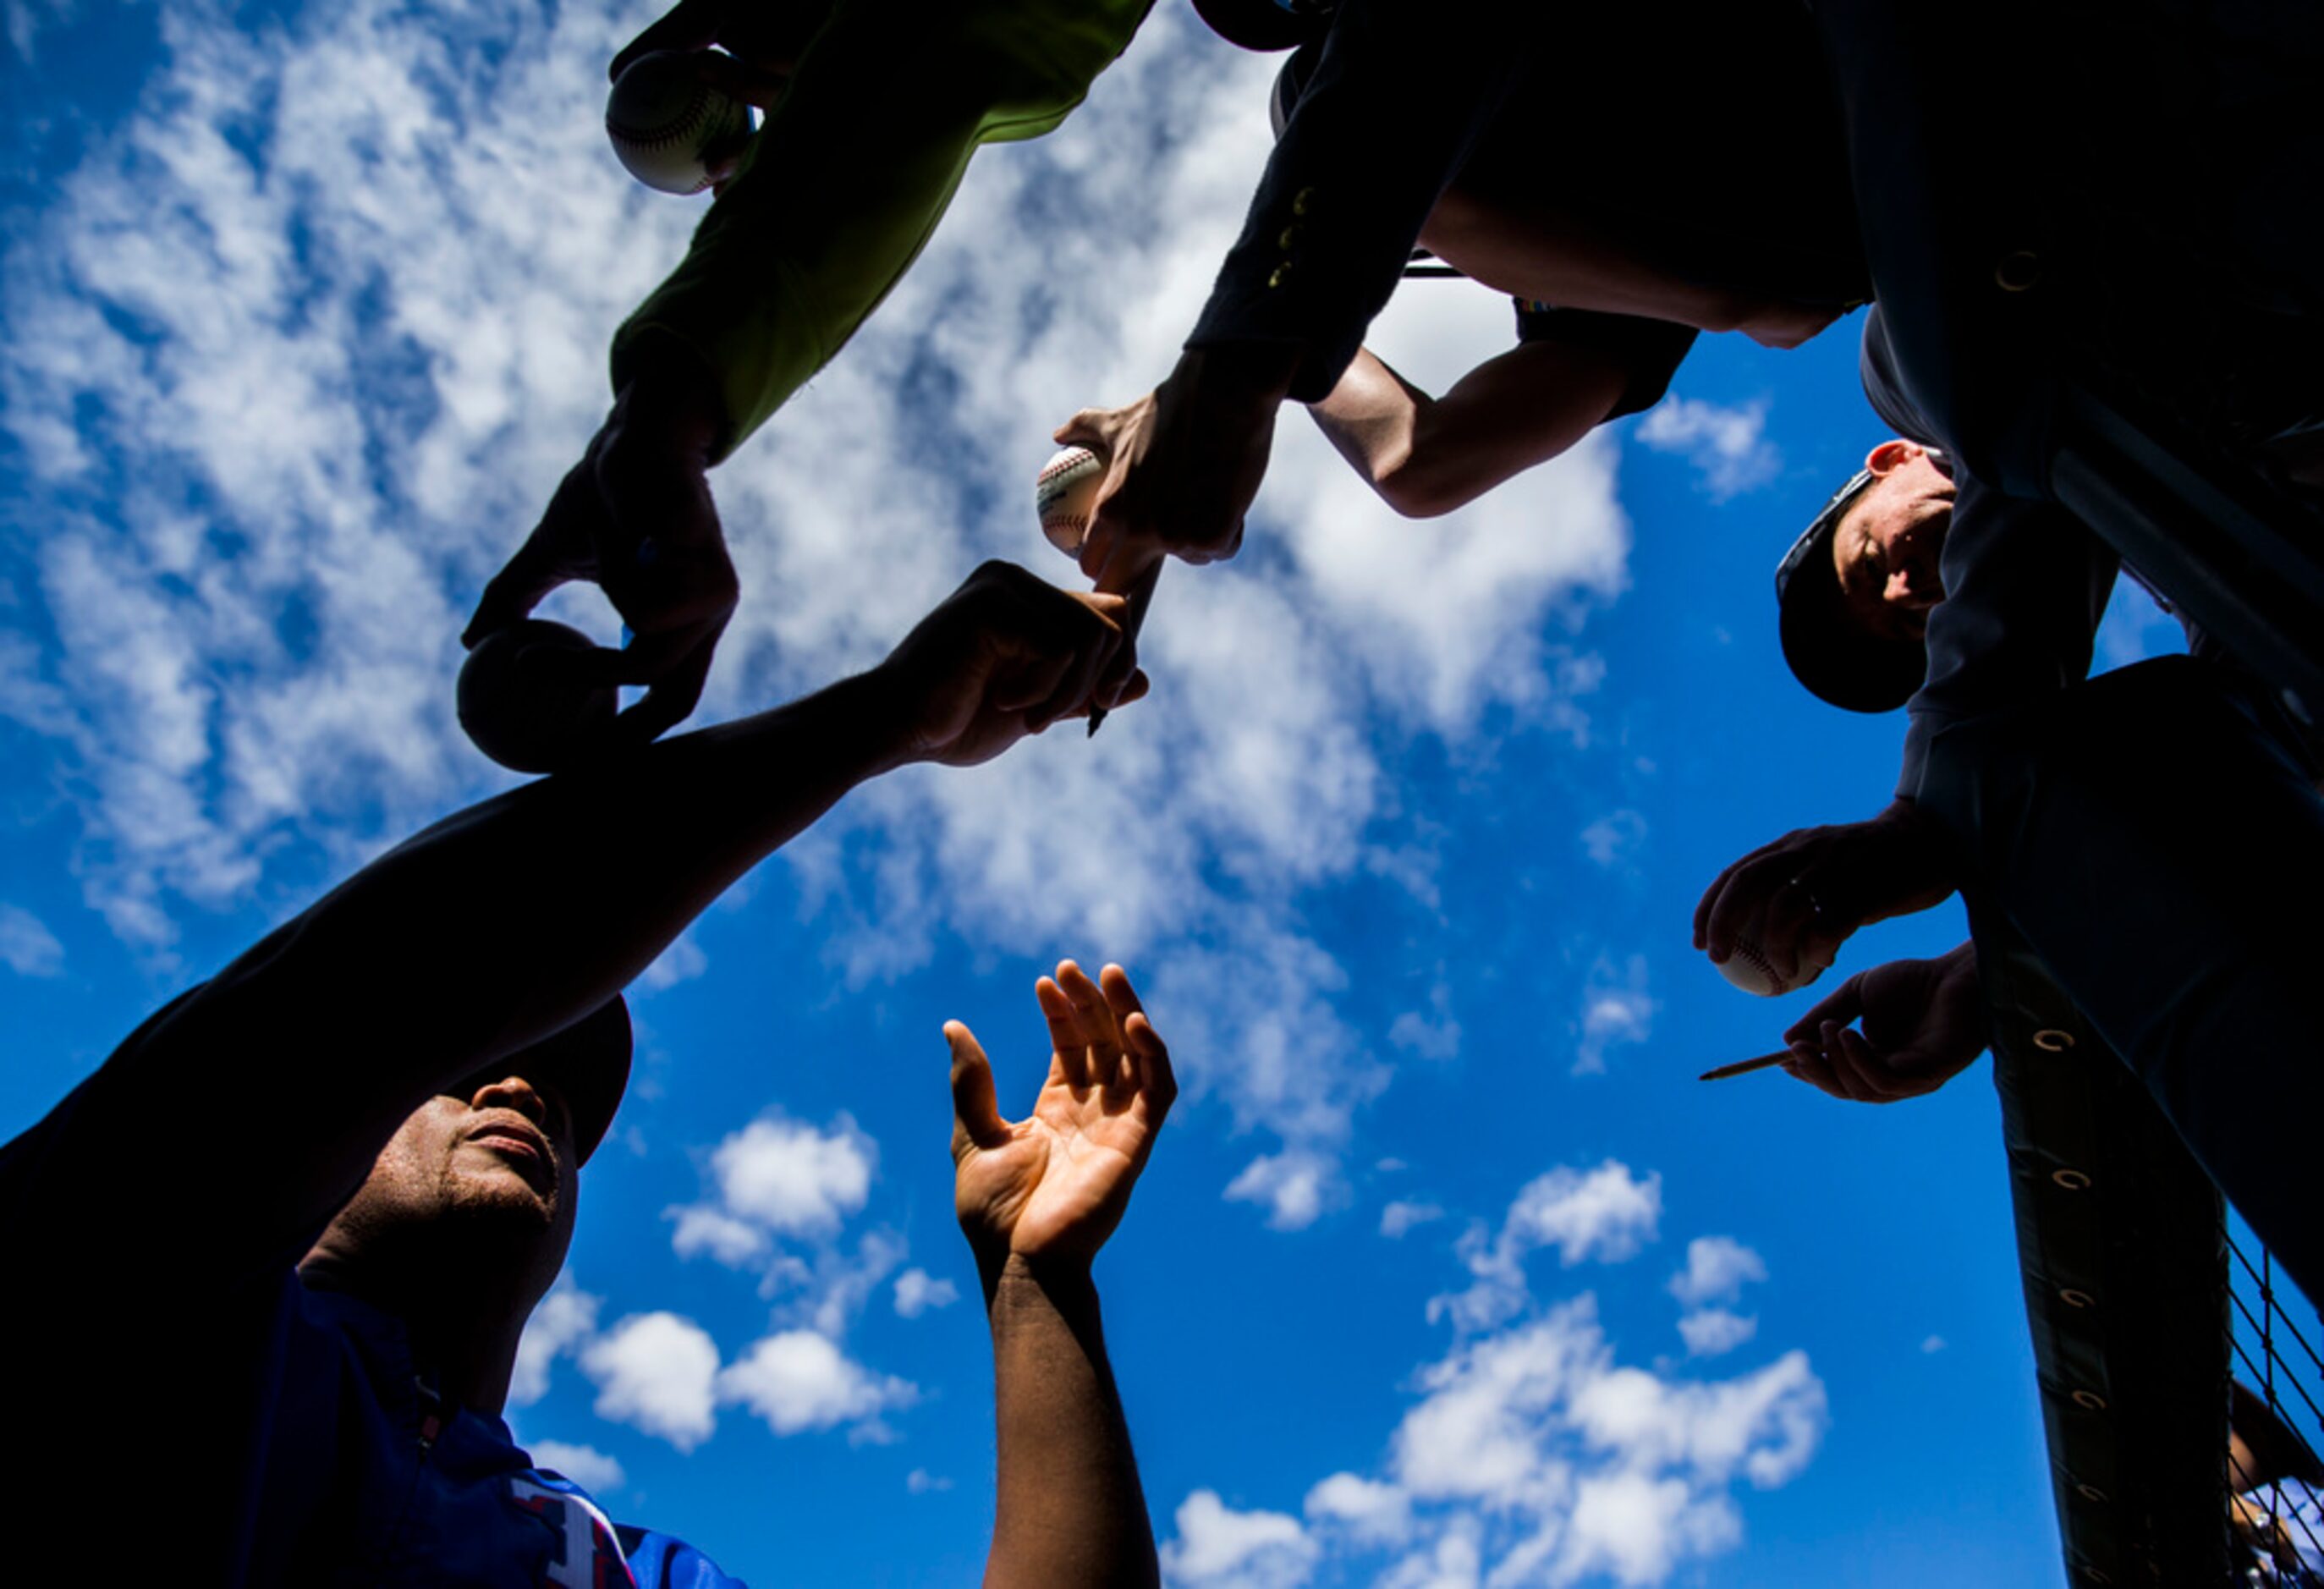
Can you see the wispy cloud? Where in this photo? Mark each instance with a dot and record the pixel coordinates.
(27, 946)
(1727, 445)
(1530, 1454)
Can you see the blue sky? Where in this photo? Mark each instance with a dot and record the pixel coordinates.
(1446, 1272)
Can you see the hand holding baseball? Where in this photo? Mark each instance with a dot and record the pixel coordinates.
(1772, 921)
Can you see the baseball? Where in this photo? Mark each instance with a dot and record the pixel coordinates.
(526, 717)
(1750, 969)
(673, 132)
(1064, 493)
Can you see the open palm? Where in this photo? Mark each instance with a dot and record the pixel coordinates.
(1054, 1184)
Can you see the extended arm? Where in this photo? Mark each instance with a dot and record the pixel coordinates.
(1924, 1023)
(1428, 455)
(1036, 1198)
(509, 920)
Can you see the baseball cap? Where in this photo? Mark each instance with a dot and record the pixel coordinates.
(1825, 642)
(588, 1063)
(1266, 24)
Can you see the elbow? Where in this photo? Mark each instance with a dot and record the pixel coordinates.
(1417, 488)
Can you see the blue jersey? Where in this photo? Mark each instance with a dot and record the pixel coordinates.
(184, 1410)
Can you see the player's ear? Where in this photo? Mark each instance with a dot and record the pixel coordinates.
(1891, 455)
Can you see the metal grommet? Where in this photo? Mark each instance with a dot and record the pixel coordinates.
(1276, 278)
(2017, 270)
(2090, 1401)
(2073, 1299)
(2051, 1041)
(1303, 201)
(2073, 1180)
(1287, 238)
(2091, 1492)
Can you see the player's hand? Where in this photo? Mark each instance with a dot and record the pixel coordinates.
(1802, 896)
(1006, 655)
(635, 518)
(1923, 1024)
(750, 48)
(1182, 463)
(1051, 1188)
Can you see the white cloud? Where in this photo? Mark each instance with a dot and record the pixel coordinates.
(1605, 1214)
(1398, 1218)
(1716, 1269)
(683, 961)
(585, 1465)
(920, 1482)
(1616, 1011)
(916, 1292)
(1711, 1331)
(564, 1318)
(1368, 1509)
(702, 1228)
(1614, 838)
(776, 1178)
(793, 1178)
(1218, 1547)
(1933, 1343)
(654, 1371)
(1434, 1035)
(797, 1380)
(1293, 1187)
(27, 946)
(1727, 446)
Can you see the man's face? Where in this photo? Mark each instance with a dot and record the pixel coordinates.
(1887, 547)
(488, 1168)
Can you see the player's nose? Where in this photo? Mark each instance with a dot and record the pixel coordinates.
(512, 1092)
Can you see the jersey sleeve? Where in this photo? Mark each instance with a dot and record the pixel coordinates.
(657, 1561)
(1650, 350)
(845, 184)
(1398, 96)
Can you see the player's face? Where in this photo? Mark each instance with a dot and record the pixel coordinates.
(1886, 549)
(491, 1159)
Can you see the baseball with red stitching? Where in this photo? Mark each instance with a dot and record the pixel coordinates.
(1064, 494)
(673, 130)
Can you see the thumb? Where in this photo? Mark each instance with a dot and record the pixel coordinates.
(1084, 429)
(975, 1111)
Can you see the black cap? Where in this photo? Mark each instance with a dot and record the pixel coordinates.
(1266, 24)
(1825, 642)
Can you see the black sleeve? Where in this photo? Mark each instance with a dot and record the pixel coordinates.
(1398, 94)
(1653, 349)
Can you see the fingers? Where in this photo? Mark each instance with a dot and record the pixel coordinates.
(1091, 427)
(975, 1110)
(1068, 1040)
(1098, 1024)
(561, 548)
(1148, 1052)
(690, 24)
(754, 85)
(1839, 1008)
(672, 699)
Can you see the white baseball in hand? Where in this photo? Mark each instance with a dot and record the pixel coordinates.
(673, 131)
(1064, 494)
(1750, 967)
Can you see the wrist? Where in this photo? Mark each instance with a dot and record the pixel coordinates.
(1246, 376)
(1015, 1280)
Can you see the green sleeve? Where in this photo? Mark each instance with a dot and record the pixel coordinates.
(847, 180)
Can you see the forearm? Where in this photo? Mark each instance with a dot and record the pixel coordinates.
(540, 905)
(1069, 1509)
(1429, 455)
